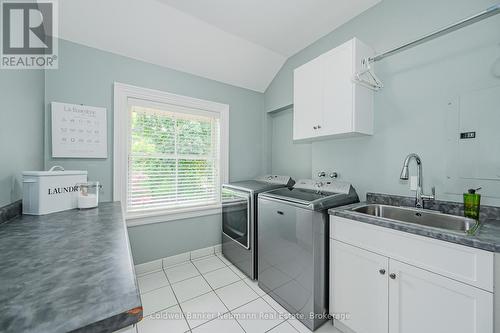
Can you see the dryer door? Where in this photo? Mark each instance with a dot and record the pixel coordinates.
(236, 216)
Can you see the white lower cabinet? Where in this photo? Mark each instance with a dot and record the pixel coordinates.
(421, 301)
(384, 295)
(359, 287)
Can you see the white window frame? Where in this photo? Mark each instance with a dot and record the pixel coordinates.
(121, 114)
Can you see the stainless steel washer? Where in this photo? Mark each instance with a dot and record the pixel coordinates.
(293, 245)
(239, 215)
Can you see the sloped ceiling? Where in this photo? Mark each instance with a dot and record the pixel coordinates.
(284, 26)
(239, 42)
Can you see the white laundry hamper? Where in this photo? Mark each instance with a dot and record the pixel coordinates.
(46, 192)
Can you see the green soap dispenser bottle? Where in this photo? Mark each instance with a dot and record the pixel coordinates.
(472, 204)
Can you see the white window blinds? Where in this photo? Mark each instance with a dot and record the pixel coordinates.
(173, 157)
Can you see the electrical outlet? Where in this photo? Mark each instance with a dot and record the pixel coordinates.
(413, 183)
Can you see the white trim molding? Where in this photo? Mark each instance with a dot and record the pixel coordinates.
(122, 94)
(177, 259)
(137, 219)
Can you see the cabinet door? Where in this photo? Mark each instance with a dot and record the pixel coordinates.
(421, 301)
(308, 99)
(338, 105)
(359, 288)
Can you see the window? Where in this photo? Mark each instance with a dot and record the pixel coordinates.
(173, 159)
(173, 150)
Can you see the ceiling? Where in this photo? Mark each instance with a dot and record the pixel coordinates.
(238, 42)
(283, 26)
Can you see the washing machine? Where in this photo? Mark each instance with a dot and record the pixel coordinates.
(293, 231)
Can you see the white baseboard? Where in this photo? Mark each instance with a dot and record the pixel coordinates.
(159, 264)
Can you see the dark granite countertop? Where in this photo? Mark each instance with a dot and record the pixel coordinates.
(67, 271)
(487, 237)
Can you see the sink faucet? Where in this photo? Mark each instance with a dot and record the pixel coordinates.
(420, 196)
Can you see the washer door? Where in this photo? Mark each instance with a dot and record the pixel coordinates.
(236, 216)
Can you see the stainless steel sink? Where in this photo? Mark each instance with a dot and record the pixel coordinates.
(423, 217)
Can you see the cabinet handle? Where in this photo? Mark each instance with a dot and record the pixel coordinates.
(319, 126)
(392, 276)
(382, 271)
(315, 127)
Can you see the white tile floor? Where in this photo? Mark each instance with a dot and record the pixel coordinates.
(208, 295)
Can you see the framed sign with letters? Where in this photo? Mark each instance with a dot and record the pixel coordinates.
(78, 131)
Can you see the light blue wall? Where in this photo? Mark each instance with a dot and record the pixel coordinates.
(21, 129)
(86, 76)
(413, 111)
(170, 238)
(288, 158)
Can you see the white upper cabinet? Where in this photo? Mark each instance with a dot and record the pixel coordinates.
(327, 103)
(308, 81)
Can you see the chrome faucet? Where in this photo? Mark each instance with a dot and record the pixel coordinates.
(420, 196)
(319, 184)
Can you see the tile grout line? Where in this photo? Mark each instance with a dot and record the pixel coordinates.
(288, 321)
(190, 299)
(285, 320)
(154, 289)
(245, 276)
(192, 277)
(177, 300)
(213, 290)
(189, 253)
(228, 311)
(200, 274)
(163, 270)
(262, 297)
(163, 309)
(265, 293)
(272, 328)
(242, 305)
(193, 262)
(150, 291)
(163, 267)
(229, 284)
(259, 296)
(148, 273)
